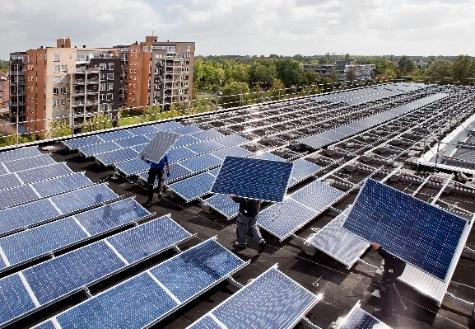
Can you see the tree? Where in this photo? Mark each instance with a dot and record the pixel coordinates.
(59, 128)
(99, 122)
(406, 65)
(463, 69)
(439, 71)
(262, 74)
(350, 75)
(385, 70)
(233, 93)
(152, 113)
(290, 72)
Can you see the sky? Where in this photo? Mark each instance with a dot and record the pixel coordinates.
(248, 27)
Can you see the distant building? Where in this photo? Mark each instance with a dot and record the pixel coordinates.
(342, 69)
(4, 91)
(74, 84)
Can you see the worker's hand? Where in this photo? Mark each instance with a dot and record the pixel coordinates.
(375, 245)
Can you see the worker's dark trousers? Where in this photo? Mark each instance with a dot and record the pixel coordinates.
(388, 294)
(247, 225)
(154, 174)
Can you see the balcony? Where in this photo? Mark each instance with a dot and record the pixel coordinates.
(92, 81)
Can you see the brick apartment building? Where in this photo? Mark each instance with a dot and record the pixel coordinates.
(74, 84)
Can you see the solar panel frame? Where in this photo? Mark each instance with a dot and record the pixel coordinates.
(115, 135)
(75, 143)
(8, 181)
(132, 141)
(201, 163)
(95, 149)
(132, 167)
(205, 146)
(159, 146)
(61, 184)
(16, 196)
(231, 177)
(355, 209)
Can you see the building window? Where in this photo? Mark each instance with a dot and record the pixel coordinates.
(110, 97)
(102, 97)
(64, 68)
(63, 90)
(111, 66)
(63, 101)
(57, 68)
(110, 86)
(110, 76)
(103, 76)
(103, 87)
(55, 91)
(56, 57)
(145, 49)
(102, 66)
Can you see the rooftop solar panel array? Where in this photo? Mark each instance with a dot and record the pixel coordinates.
(201, 163)
(162, 290)
(57, 278)
(32, 162)
(9, 180)
(113, 157)
(61, 184)
(405, 226)
(194, 187)
(272, 300)
(19, 153)
(302, 170)
(43, 173)
(360, 319)
(253, 178)
(94, 149)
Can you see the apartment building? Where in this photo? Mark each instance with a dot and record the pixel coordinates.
(159, 72)
(17, 86)
(342, 69)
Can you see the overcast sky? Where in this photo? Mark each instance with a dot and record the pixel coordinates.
(248, 27)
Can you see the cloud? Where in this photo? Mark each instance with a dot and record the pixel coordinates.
(415, 27)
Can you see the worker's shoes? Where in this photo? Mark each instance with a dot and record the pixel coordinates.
(238, 247)
(261, 246)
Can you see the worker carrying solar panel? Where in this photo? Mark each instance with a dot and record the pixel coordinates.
(246, 223)
(155, 173)
(393, 268)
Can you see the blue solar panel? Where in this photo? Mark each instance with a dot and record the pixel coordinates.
(110, 158)
(132, 141)
(302, 170)
(167, 125)
(16, 196)
(205, 147)
(159, 146)
(234, 151)
(282, 220)
(41, 240)
(114, 135)
(194, 187)
(272, 300)
(190, 273)
(20, 153)
(177, 172)
(28, 163)
(43, 173)
(201, 163)
(14, 299)
(147, 239)
(268, 156)
(180, 153)
(8, 181)
(224, 205)
(133, 166)
(63, 275)
(232, 140)
(111, 216)
(318, 196)
(75, 143)
(83, 198)
(183, 130)
(360, 319)
(410, 229)
(186, 140)
(253, 178)
(139, 148)
(133, 304)
(12, 219)
(208, 134)
(61, 184)
(148, 129)
(3, 170)
(205, 322)
(94, 149)
(45, 325)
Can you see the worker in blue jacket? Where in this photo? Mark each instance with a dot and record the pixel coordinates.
(155, 173)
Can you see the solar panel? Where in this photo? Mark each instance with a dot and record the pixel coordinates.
(208, 134)
(114, 135)
(132, 141)
(44, 173)
(205, 147)
(132, 167)
(318, 196)
(206, 322)
(302, 170)
(61, 184)
(45, 325)
(338, 243)
(57, 278)
(159, 146)
(232, 140)
(110, 158)
(272, 300)
(167, 125)
(234, 151)
(19, 301)
(148, 129)
(186, 140)
(180, 153)
(19, 153)
(94, 149)
(139, 148)
(33, 162)
(253, 178)
(268, 156)
(183, 130)
(28, 214)
(162, 289)
(8, 181)
(111, 216)
(75, 143)
(360, 319)
(3, 170)
(283, 219)
(408, 228)
(194, 187)
(16, 196)
(83, 198)
(201, 163)
(223, 204)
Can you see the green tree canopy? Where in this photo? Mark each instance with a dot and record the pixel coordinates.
(262, 74)
(406, 66)
(290, 72)
(439, 71)
(463, 69)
